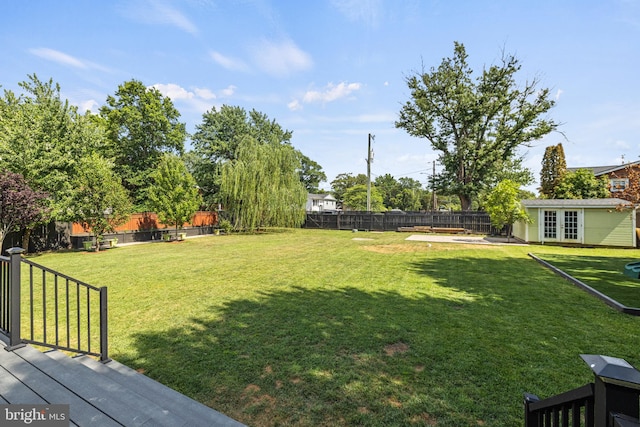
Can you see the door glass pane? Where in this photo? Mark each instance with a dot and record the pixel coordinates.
(550, 223)
(571, 225)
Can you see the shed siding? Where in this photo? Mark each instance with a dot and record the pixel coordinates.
(605, 227)
(608, 227)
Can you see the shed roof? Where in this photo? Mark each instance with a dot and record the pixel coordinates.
(575, 203)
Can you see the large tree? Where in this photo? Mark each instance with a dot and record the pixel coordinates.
(343, 182)
(582, 184)
(173, 194)
(20, 206)
(217, 140)
(261, 186)
(478, 124)
(42, 137)
(142, 125)
(355, 199)
(554, 167)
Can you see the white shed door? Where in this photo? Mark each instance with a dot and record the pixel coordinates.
(561, 225)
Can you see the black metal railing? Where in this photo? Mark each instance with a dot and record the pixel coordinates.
(610, 401)
(61, 312)
(573, 408)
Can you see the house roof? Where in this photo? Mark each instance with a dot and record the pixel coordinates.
(575, 203)
(604, 170)
(321, 196)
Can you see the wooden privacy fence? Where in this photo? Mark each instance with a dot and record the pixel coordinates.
(147, 221)
(476, 222)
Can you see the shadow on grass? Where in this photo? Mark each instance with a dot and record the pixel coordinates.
(322, 357)
(605, 274)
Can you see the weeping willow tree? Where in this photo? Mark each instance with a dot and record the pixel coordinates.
(262, 188)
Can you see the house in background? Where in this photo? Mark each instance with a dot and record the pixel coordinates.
(321, 203)
(588, 222)
(616, 174)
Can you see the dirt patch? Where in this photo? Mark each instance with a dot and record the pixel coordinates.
(424, 418)
(396, 348)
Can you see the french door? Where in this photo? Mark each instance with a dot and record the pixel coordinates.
(561, 225)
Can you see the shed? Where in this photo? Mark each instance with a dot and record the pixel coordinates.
(592, 222)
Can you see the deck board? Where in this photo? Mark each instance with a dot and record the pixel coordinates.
(98, 394)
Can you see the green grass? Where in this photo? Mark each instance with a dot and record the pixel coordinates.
(314, 328)
(602, 270)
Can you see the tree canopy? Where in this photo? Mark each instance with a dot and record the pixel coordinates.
(476, 125)
(218, 138)
(173, 194)
(554, 167)
(355, 199)
(261, 186)
(503, 205)
(142, 125)
(99, 200)
(20, 205)
(582, 184)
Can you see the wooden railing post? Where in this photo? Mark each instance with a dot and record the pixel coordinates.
(616, 387)
(15, 260)
(530, 418)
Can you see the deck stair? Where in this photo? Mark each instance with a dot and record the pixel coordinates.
(99, 394)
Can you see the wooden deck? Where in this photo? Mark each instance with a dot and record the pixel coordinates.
(98, 394)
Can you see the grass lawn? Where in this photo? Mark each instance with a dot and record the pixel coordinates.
(314, 328)
(602, 270)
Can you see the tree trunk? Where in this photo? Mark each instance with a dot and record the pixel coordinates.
(25, 238)
(465, 202)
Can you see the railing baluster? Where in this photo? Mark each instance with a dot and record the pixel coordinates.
(55, 284)
(68, 320)
(31, 302)
(78, 311)
(44, 306)
(88, 322)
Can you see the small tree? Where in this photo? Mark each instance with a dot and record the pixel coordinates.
(173, 195)
(582, 184)
(99, 201)
(20, 206)
(503, 206)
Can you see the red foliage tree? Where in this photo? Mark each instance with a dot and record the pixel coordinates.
(20, 206)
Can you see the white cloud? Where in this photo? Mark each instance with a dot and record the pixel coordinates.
(294, 105)
(159, 12)
(89, 105)
(174, 91)
(330, 93)
(59, 57)
(280, 59)
(367, 11)
(204, 93)
(559, 92)
(227, 62)
(229, 91)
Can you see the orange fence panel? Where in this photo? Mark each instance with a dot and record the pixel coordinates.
(149, 221)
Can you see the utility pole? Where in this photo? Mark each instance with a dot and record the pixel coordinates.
(369, 160)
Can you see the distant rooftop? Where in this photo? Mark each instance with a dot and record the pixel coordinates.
(604, 170)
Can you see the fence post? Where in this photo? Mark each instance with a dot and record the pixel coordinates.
(530, 419)
(104, 336)
(616, 387)
(15, 261)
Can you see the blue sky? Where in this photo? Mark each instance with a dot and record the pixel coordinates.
(333, 71)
